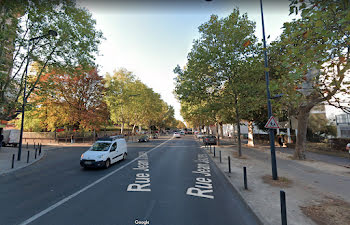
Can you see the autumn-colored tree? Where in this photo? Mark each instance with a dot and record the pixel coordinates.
(74, 100)
(180, 124)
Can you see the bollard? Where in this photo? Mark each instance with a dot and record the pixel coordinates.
(220, 155)
(229, 164)
(245, 177)
(40, 149)
(35, 153)
(283, 207)
(214, 151)
(34, 145)
(210, 148)
(28, 157)
(13, 160)
(27, 145)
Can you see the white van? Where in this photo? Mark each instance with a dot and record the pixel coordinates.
(11, 137)
(104, 152)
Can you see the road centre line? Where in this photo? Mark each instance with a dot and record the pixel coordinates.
(52, 207)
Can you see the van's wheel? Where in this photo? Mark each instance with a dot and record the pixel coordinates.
(124, 156)
(107, 163)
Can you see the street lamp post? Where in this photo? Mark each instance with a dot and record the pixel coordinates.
(50, 33)
(271, 132)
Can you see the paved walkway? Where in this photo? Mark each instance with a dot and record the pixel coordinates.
(312, 182)
(28, 157)
(336, 160)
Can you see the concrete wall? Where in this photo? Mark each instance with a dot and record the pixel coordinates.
(229, 129)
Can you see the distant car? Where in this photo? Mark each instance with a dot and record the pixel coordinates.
(104, 152)
(182, 132)
(209, 140)
(154, 136)
(177, 135)
(144, 138)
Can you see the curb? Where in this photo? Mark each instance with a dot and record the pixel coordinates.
(43, 153)
(258, 218)
(28, 164)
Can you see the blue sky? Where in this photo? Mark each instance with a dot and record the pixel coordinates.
(151, 39)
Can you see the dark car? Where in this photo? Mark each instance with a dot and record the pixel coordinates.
(154, 136)
(144, 138)
(209, 140)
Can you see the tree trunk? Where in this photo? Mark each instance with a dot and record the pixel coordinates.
(250, 134)
(238, 127)
(217, 133)
(133, 129)
(303, 117)
(221, 130)
(122, 128)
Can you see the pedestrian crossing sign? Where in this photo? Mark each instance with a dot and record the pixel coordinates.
(272, 123)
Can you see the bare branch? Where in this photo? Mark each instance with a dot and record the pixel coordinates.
(41, 71)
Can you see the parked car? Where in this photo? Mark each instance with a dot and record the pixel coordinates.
(200, 135)
(154, 136)
(177, 135)
(11, 137)
(143, 138)
(104, 152)
(182, 132)
(209, 140)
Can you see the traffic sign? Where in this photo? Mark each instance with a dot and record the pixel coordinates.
(272, 123)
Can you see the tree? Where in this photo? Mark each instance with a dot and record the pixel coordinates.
(221, 65)
(313, 54)
(132, 102)
(180, 125)
(118, 96)
(21, 20)
(74, 100)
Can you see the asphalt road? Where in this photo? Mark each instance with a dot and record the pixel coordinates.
(157, 188)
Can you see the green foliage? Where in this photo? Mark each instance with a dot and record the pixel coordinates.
(76, 44)
(318, 41)
(319, 124)
(223, 73)
(132, 102)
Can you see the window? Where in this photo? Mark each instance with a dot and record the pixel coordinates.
(114, 146)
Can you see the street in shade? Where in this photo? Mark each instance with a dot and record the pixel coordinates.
(165, 181)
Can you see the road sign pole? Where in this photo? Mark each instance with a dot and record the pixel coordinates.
(272, 135)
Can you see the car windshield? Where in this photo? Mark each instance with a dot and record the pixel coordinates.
(100, 146)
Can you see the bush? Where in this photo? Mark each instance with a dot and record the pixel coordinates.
(339, 144)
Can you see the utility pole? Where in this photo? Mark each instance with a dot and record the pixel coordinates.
(271, 131)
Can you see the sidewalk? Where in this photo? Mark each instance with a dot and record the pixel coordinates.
(6, 154)
(313, 189)
(332, 159)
